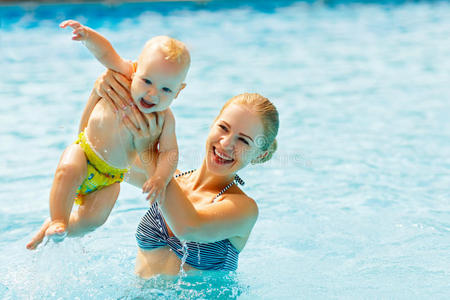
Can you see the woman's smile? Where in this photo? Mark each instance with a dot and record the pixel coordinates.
(220, 157)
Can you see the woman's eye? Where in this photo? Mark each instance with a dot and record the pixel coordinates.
(244, 140)
(147, 81)
(167, 90)
(223, 127)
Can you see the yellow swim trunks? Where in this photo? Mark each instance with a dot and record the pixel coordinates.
(99, 173)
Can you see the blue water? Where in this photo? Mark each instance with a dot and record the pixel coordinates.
(356, 202)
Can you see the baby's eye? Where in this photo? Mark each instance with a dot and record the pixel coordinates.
(223, 127)
(147, 81)
(167, 90)
(244, 140)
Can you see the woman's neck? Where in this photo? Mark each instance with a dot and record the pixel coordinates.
(207, 181)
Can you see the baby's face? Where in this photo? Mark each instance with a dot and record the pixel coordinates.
(156, 82)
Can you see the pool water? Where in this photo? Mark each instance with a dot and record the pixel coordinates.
(356, 202)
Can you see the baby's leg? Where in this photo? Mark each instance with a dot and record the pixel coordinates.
(69, 175)
(94, 211)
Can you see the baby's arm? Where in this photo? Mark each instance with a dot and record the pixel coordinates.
(100, 47)
(166, 162)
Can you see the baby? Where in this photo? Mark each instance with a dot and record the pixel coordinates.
(91, 169)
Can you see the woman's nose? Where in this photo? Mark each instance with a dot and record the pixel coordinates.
(227, 142)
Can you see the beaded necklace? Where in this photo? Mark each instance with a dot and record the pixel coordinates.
(236, 179)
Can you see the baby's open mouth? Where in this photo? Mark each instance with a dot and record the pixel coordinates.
(146, 104)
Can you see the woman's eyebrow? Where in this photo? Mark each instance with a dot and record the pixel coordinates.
(243, 134)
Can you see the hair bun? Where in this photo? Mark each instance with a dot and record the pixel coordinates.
(270, 151)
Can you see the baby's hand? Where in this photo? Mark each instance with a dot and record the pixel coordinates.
(80, 32)
(155, 187)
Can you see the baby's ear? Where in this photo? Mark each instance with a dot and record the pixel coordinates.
(183, 85)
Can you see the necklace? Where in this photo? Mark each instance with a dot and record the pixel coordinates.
(236, 179)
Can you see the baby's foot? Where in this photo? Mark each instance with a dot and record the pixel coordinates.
(37, 239)
(56, 231)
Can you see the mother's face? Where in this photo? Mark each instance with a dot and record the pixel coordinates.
(231, 143)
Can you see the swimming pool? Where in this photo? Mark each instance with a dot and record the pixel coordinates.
(356, 202)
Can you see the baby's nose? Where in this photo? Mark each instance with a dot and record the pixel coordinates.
(152, 91)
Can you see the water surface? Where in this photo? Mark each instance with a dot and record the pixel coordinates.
(355, 204)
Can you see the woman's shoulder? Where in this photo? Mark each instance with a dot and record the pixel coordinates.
(181, 175)
(244, 202)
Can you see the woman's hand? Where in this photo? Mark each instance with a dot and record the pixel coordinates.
(115, 89)
(145, 137)
(147, 130)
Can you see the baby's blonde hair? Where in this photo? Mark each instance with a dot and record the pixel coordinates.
(175, 51)
(269, 118)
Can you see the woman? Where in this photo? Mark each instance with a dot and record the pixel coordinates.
(204, 207)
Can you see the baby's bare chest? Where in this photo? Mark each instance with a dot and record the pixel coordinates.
(109, 136)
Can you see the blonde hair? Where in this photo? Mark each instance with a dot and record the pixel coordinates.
(269, 118)
(175, 51)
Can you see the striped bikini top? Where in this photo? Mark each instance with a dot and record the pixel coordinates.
(152, 233)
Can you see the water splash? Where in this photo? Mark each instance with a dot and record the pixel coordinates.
(184, 249)
(198, 253)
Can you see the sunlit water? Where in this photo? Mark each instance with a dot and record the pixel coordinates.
(356, 202)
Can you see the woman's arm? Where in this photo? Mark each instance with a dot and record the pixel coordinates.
(100, 47)
(137, 175)
(235, 215)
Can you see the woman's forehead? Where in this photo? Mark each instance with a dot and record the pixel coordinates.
(242, 120)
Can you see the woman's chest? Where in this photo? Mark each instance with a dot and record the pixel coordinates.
(199, 198)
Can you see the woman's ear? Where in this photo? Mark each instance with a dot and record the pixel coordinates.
(258, 159)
